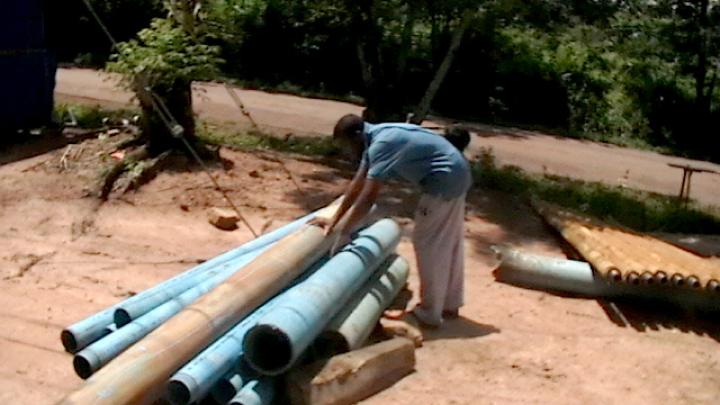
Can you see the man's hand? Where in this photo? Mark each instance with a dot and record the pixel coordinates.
(324, 224)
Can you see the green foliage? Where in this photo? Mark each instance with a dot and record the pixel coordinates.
(256, 140)
(632, 73)
(90, 116)
(639, 210)
(164, 55)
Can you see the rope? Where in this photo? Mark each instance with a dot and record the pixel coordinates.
(172, 125)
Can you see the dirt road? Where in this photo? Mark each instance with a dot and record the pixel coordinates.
(529, 150)
(63, 257)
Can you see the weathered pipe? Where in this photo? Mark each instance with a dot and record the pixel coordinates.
(632, 278)
(92, 358)
(130, 310)
(195, 379)
(548, 273)
(713, 286)
(256, 392)
(82, 333)
(677, 280)
(138, 374)
(281, 336)
(350, 328)
(661, 277)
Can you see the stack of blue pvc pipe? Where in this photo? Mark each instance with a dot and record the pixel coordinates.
(355, 286)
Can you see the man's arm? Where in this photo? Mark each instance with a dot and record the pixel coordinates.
(351, 194)
(362, 206)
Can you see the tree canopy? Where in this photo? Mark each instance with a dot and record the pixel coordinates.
(602, 69)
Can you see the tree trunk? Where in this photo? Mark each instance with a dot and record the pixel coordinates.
(701, 70)
(405, 43)
(156, 130)
(424, 106)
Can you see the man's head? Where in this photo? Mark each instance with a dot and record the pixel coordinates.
(458, 136)
(348, 133)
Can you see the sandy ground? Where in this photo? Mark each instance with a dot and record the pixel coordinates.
(532, 151)
(63, 257)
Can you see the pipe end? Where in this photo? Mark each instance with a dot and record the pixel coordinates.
(633, 278)
(82, 366)
(614, 275)
(69, 342)
(268, 349)
(223, 391)
(677, 279)
(693, 282)
(178, 392)
(121, 317)
(661, 277)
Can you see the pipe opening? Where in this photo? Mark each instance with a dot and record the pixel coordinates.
(678, 280)
(713, 286)
(223, 391)
(178, 392)
(69, 341)
(633, 278)
(614, 275)
(647, 278)
(82, 367)
(121, 317)
(661, 277)
(268, 349)
(693, 282)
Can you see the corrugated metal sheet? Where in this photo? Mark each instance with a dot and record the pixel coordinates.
(27, 68)
(620, 254)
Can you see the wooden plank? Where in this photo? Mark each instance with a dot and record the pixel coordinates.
(350, 377)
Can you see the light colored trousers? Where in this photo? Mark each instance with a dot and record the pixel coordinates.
(438, 241)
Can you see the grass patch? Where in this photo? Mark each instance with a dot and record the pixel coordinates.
(87, 116)
(257, 140)
(640, 210)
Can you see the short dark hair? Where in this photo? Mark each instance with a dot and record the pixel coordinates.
(349, 126)
(458, 136)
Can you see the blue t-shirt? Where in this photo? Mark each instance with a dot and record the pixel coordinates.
(415, 154)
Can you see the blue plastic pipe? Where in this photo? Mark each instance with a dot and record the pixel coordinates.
(130, 310)
(195, 380)
(350, 328)
(78, 335)
(282, 335)
(548, 273)
(256, 392)
(92, 358)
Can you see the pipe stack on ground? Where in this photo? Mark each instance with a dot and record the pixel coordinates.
(201, 319)
(282, 335)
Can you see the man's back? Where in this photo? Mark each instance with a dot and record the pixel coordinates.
(412, 153)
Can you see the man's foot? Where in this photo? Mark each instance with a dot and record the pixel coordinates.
(454, 314)
(423, 320)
